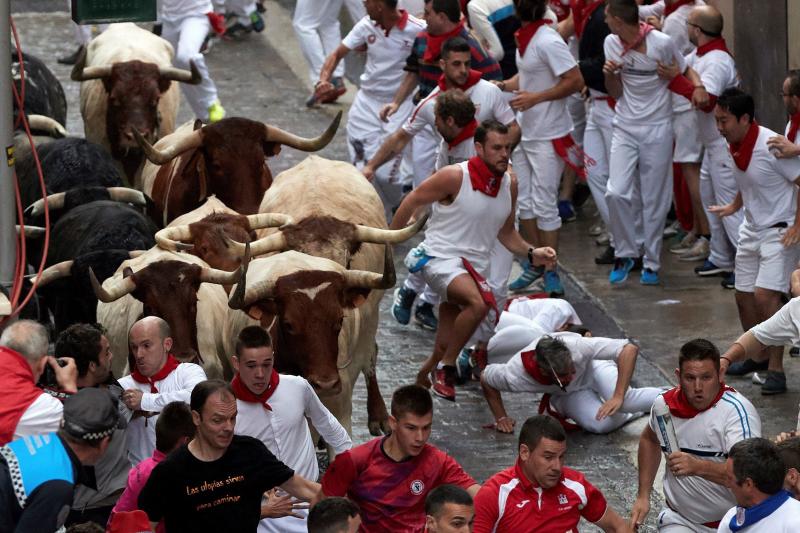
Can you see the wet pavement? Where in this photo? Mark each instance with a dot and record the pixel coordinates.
(260, 78)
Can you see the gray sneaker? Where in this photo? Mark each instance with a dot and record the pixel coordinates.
(685, 244)
(774, 384)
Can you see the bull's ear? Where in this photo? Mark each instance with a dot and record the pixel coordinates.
(271, 149)
(127, 271)
(354, 297)
(163, 84)
(197, 124)
(263, 310)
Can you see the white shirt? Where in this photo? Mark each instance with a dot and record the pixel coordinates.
(708, 436)
(675, 26)
(550, 314)
(386, 54)
(784, 519)
(178, 9)
(645, 97)
(717, 71)
(42, 416)
(457, 154)
(546, 59)
(487, 97)
(176, 387)
(767, 186)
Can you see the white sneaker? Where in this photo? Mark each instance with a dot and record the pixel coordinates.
(597, 229)
(698, 252)
(685, 245)
(672, 229)
(603, 239)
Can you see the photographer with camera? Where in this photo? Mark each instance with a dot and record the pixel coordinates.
(23, 360)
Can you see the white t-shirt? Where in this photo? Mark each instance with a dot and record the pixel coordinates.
(551, 314)
(708, 436)
(784, 519)
(767, 186)
(645, 97)
(386, 55)
(675, 26)
(42, 416)
(717, 71)
(546, 59)
(457, 154)
(176, 387)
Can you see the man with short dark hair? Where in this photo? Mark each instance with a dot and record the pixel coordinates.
(334, 515)
(404, 456)
(789, 145)
(449, 509)
(216, 482)
(539, 493)
(708, 418)
(789, 450)
(756, 474)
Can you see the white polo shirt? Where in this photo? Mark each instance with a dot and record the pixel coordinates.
(784, 519)
(546, 59)
(551, 314)
(767, 186)
(717, 71)
(645, 99)
(386, 54)
(708, 436)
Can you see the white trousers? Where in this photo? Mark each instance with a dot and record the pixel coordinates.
(186, 35)
(671, 522)
(597, 146)
(641, 156)
(416, 283)
(582, 405)
(577, 110)
(538, 168)
(718, 187)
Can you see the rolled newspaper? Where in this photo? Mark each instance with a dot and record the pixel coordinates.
(665, 426)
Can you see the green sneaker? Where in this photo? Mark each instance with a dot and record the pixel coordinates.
(215, 112)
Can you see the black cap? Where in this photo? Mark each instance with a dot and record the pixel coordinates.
(92, 414)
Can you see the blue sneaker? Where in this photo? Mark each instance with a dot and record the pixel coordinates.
(622, 268)
(552, 284)
(729, 280)
(528, 276)
(649, 277)
(425, 317)
(565, 211)
(401, 309)
(708, 269)
(463, 366)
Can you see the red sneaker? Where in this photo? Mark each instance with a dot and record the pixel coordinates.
(445, 384)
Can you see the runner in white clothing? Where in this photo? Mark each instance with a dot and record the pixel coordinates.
(789, 145)
(708, 419)
(769, 235)
(472, 207)
(156, 380)
(273, 408)
(387, 33)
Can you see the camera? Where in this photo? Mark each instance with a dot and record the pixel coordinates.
(48, 377)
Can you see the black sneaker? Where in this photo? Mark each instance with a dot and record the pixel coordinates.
(774, 384)
(72, 58)
(605, 258)
(729, 281)
(748, 366)
(425, 317)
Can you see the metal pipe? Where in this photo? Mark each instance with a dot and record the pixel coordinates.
(7, 198)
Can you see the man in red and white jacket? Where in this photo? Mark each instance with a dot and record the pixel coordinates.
(156, 380)
(539, 493)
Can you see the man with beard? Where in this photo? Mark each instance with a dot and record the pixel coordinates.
(789, 146)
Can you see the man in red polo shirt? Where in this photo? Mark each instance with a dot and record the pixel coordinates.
(390, 477)
(539, 493)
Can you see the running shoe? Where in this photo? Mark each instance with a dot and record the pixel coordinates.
(685, 244)
(605, 258)
(215, 112)
(699, 251)
(463, 366)
(622, 267)
(649, 277)
(748, 366)
(403, 300)
(566, 211)
(425, 317)
(552, 284)
(774, 384)
(527, 277)
(709, 269)
(444, 385)
(256, 22)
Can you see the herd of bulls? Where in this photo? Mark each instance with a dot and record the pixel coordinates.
(169, 221)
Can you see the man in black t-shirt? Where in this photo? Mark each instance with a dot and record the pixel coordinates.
(216, 482)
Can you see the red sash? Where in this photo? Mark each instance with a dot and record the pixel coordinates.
(473, 78)
(486, 292)
(564, 147)
(545, 407)
(794, 125)
(165, 371)
(467, 132)
(714, 44)
(582, 12)
(20, 391)
(433, 46)
(482, 178)
(526, 33)
(743, 151)
(243, 393)
(671, 8)
(644, 29)
(679, 406)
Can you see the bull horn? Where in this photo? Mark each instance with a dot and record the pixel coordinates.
(191, 76)
(119, 289)
(169, 238)
(275, 242)
(184, 143)
(388, 236)
(33, 232)
(5, 305)
(54, 201)
(269, 220)
(133, 254)
(236, 300)
(54, 272)
(124, 194)
(80, 72)
(277, 135)
(372, 280)
(45, 123)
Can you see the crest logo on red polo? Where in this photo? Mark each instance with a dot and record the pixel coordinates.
(562, 499)
(417, 486)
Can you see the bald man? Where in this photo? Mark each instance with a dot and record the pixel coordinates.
(156, 380)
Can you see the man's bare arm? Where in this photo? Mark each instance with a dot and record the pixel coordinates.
(390, 148)
(331, 62)
(443, 184)
(649, 457)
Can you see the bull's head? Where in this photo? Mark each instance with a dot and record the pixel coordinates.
(304, 308)
(234, 152)
(168, 289)
(134, 89)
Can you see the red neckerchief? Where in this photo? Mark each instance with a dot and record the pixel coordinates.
(400, 24)
(217, 21)
(246, 395)
(679, 406)
(794, 125)
(165, 371)
(743, 151)
(482, 178)
(467, 132)
(674, 6)
(533, 370)
(20, 391)
(714, 44)
(473, 78)
(526, 33)
(644, 29)
(582, 12)
(433, 47)
(561, 11)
